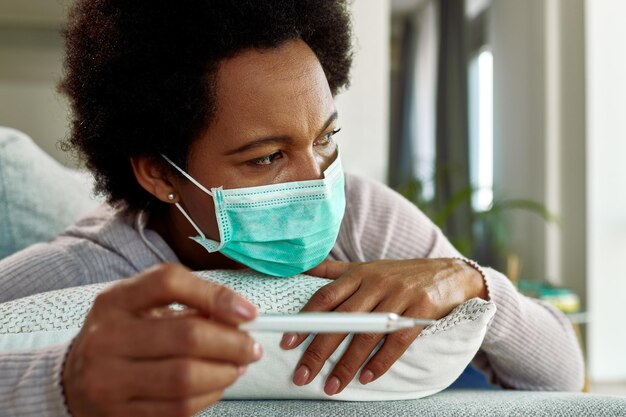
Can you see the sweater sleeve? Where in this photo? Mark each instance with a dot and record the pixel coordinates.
(101, 247)
(529, 344)
(30, 379)
(39, 268)
(30, 383)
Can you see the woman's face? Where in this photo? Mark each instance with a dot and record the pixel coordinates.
(274, 123)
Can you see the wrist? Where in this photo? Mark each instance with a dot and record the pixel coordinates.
(477, 278)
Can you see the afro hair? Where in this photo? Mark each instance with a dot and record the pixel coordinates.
(140, 74)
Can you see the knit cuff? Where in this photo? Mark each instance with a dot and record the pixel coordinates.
(59, 365)
(508, 301)
(59, 374)
(30, 382)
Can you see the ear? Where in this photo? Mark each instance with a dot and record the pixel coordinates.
(153, 177)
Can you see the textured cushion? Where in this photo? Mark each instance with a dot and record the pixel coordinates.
(430, 364)
(38, 196)
(449, 403)
(55, 317)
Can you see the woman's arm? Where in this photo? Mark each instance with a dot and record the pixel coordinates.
(99, 248)
(30, 382)
(133, 356)
(39, 268)
(529, 345)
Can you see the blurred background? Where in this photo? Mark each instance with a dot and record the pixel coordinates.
(502, 119)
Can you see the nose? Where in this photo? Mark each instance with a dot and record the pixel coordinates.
(310, 166)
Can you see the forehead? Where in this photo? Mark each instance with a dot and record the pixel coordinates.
(272, 89)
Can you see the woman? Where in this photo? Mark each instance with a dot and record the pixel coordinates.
(214, 120)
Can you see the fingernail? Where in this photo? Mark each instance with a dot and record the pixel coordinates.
(366, 377)
(257, 351)
(332, 385)
(242, 370)
(243, 308)
(301, 376)
(289, 339)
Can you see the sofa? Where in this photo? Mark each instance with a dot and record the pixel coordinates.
(39, 197)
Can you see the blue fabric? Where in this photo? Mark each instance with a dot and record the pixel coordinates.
(38, 196)
(471, 378)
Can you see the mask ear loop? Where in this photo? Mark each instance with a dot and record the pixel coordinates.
(189, 177)
(195, 226)
(197, 184)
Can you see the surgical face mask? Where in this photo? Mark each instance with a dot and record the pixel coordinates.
(279, 229)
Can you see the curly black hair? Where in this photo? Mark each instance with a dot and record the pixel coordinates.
(140, 74)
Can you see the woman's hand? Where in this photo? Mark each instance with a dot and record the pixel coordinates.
(135, 357)
(420, 288)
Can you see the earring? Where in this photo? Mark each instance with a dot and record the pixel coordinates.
(171, 196)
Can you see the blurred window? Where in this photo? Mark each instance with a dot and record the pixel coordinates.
(480, 103)
(480, 83)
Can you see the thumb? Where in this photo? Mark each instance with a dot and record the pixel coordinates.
(331, 269)
(229, 306)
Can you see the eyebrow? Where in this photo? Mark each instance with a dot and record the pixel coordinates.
(277, 139)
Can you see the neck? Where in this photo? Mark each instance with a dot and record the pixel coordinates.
(172, 226)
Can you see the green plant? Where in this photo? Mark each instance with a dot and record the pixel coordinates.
(488, 241)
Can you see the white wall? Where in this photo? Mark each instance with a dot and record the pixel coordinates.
(539, 131)
(516, 37)
(363, 110)
(565, 143)
(30, 66)
(31, 53)
(606, 182)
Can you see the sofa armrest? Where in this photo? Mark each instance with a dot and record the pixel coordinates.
(447, 403)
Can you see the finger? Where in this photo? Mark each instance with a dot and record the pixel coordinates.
(175, 378)
(167, 312)
(331, 269)
(170, 408)
(324, 345)
(169, 283)
(339, 296)
(360, 348)
(332, 295)
(326, 298)
(392, 349)
(316, 354)
(182, 337)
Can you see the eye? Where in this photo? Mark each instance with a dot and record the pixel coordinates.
(328, 138)
(266, 160)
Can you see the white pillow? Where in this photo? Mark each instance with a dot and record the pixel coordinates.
(435, 360)
(47, 318)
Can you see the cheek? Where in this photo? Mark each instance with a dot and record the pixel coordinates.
(199, 206)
